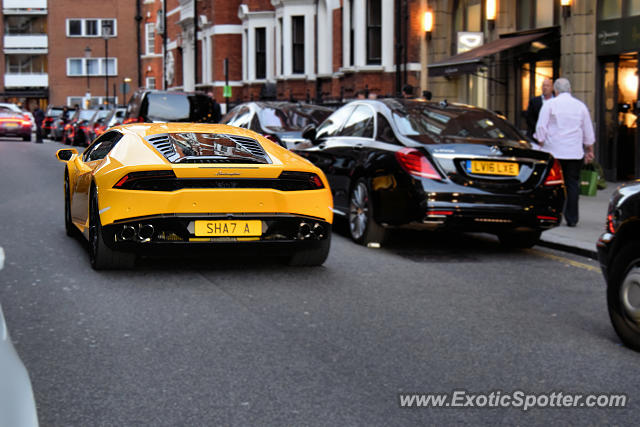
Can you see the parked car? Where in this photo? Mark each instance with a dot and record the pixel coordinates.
(14, 123)
(52, 113)
(281, 122)
(74, 130)
(153, 106)
(17, 405)
(116, 118)
(171, 186)
(619, 256)
(411, 163)
(94, 127)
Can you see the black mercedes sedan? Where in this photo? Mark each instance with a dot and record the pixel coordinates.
(619, 256)
(427, 165)
(281, 122)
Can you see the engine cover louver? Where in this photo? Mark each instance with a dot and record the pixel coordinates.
(190, 147)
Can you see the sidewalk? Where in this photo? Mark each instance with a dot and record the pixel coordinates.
(582, 238)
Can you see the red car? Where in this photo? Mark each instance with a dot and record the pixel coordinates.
(15, 124)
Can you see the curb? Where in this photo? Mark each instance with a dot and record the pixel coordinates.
(593, 254)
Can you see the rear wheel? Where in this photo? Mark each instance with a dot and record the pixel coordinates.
(100, 255)
(623, 295)
(519, 239)
(26, 137)
(312, 257)
(68, 224)
(362, 227)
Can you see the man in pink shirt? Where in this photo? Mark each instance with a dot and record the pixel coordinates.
(564, 129)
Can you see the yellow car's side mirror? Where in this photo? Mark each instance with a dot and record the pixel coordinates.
(66, 154)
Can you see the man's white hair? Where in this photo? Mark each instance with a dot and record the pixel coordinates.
(562, 85)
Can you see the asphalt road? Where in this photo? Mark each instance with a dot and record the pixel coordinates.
(251, 342)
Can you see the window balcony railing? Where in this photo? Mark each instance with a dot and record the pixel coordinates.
(26, 80)
(23, 41)
(24, 4)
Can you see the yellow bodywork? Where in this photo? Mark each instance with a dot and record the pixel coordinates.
(133, 153)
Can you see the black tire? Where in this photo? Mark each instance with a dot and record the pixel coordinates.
(68, 224)
(519, 239)
(100, 255)
(624, 285)
(362, 227)
(312, 257)
(26, 138)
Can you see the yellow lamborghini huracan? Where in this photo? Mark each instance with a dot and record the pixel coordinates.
(142, 188)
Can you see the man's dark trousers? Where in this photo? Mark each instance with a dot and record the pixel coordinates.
(571, 171)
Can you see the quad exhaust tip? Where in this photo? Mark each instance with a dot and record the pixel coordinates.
(314, 231)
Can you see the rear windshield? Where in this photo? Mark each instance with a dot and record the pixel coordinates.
(291, 118)
(178, 107)
(54, 112)
(86, 114)
(453, 123)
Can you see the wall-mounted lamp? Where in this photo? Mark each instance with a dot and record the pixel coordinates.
(491, 12)
(428, 23)
(566, 8)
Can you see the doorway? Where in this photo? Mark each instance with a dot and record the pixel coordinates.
(619, 154)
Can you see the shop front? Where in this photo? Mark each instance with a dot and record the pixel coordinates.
(618, 108)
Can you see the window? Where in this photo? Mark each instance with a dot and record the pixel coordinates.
(242, 119)
(102, 146)
(374, 31)
(281, 46)
(108, 28)
(297, 44)
(261, 53)
(90, 27)
(74, 27)
(91, 66)
(360, 123)
(26, 64)
(537, 13)
(385, 131)
(151, 82)
(332, 125)
(75, 67)
(468, 16)
(614, 9)
(150, 30)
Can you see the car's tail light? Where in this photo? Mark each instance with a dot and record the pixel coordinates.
(611, 226)
(99, 129)
(416, 164)
(305, 180)
(555, 175)
(133, 120)
(26, 123)
(145, 180)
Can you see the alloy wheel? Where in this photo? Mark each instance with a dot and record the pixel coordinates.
(630, 295)
(359, 211)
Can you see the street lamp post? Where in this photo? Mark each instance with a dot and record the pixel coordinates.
(106, 33)
(87, 55)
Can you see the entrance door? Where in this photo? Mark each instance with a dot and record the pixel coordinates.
(618, 136)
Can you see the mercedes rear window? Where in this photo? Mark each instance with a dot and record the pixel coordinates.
(291, 118)
(453, 123)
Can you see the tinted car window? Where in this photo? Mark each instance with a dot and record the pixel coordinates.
(453, 122)
(332, 125)
(360, 123)
(243, 118)
(169, 107)
(385, 131)
(102, 146)
(290, 118)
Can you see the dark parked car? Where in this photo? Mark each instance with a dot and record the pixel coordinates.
(14, 123)
(50, 116)
(619, 255)
(412, 163)
(94, 127)
(74, 130)
(281, 122)
(162, 106)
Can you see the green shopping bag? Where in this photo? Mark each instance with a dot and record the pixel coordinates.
(588, 182)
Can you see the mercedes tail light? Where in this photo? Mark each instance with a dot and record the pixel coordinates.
(555, 175)
(416, 164)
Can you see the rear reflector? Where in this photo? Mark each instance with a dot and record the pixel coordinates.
(416, 164)
(555, 174)
(439, 213)
(547, 218)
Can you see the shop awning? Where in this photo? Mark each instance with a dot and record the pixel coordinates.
(469, 61)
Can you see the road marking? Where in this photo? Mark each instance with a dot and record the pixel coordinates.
(565, 260)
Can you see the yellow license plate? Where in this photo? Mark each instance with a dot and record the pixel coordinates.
(11, 125)
(492, 168)
(228, 228)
